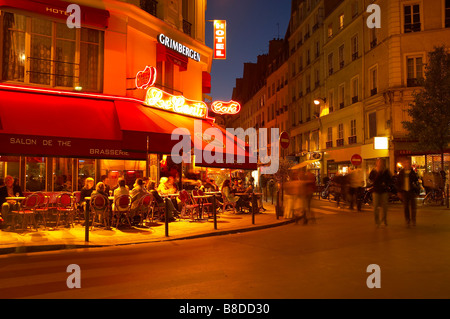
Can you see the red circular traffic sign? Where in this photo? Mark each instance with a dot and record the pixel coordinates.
(284, 140)
(356, 160)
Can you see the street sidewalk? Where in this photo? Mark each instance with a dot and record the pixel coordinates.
(74, 237)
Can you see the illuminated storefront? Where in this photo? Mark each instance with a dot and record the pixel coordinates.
(99, 101)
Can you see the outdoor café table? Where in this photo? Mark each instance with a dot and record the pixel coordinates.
(201, 203)
(15, 198)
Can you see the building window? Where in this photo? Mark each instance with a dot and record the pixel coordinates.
(412, 18)
(341, 21)
(330, 64)
(149, 6)
(341, 57)
(447, 13)
(341, 96)
(373, 38)
(354, 9)
(355, 90)
(35, 174)
(39, 51)
(353, 127)
(330, 30)
(354, 47)
(331, 101)
(330, 134)
(340, 140)
(372, 125)
(373, 81)
(414, 67)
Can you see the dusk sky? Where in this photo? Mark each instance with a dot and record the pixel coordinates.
(251, 24)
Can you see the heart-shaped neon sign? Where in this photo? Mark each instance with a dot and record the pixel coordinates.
(146, 78)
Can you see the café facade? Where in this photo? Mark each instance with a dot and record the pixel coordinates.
(105, 98)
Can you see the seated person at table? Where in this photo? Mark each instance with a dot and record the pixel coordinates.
(199, 186)
(121, 190)
(163, 188)
(86, 191)
(136, 193)
(160, 201)
(210, 185)
(100, 190)
(9, 190)
(228, 196)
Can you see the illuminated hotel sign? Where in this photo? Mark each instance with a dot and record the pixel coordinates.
(220, 39)
(178, 104)
(146, 78)
(178, 47)
(222, 108)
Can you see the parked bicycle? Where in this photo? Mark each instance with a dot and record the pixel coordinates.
(435, 196)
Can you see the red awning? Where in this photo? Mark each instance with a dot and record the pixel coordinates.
(57, 9)
(163, 54)
(34, 123)
(139, 122)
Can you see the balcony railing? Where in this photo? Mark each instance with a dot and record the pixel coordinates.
(354, 99)
(412, 82)
(352, 139)
(329, 144)
(340, 142)
(373, 91)
(354, 56)
(412, 27)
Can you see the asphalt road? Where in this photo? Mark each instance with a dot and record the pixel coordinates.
(328, 259)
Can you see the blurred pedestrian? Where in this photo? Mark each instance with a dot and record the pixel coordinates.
(381, 179)
(408, 188)
(356, 183)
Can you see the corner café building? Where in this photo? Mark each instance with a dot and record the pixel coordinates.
(69, 103)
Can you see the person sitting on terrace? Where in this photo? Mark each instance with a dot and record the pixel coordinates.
(136, 193)
(172, 211)
(228, 196)
(9, 190)
(86, 191)
(163, 188)
(121, 190)
(100, 190)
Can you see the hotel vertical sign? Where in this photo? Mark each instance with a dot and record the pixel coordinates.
(220, 39)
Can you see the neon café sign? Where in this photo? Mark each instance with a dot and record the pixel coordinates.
(177, 103)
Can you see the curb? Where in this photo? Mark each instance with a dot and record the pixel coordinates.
(54, 247)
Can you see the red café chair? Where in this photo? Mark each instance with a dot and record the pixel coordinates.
(122, 207)
(42, 207)
(144, 207)
(64, 205)
(99, 206)
(27, 210)
(77, 204)
(206, 206)
(188, 205)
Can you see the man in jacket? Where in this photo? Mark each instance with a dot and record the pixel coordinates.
(407, 187)
(9, 190)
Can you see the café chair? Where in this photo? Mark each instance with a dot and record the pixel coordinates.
(64, 205)
(99, 206)
(144, 207)
(27, 211)
(206, 205)
(122, 207)
(42, 207)
(158, 209)
(188, 205)
(77, 204)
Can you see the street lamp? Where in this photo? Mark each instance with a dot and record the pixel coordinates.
(319, 101)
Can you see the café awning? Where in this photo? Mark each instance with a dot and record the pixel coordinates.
(140, 123)
(51, 123)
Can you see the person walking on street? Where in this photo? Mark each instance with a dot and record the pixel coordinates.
(407, 185)
(381, 179)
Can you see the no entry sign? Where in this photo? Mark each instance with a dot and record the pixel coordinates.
(356, 160)
(284, 140)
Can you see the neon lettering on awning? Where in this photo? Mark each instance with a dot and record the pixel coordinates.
(178, 104)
